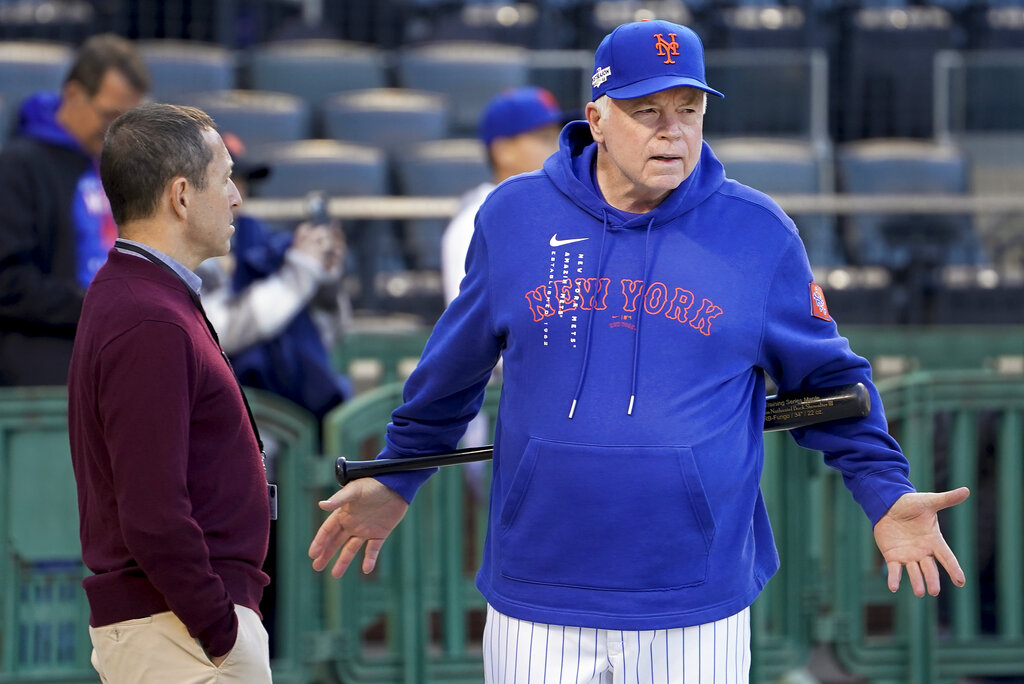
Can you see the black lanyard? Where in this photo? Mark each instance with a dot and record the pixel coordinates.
(199, 305)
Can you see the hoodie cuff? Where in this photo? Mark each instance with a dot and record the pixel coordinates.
(877, 494)
(406, 484)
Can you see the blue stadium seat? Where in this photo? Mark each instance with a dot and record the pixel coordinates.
(760, 24)
(444, 167)
(778, 167)
(339, 169)
(314, 69)
(885, 77)
(768, 93)
(180, 67)
(980, 106)
(984, 89)
(438, 169)
(902, 241)
(390, 118)
(30, 66)
(256, 117)
(997, 25)
(468, 74)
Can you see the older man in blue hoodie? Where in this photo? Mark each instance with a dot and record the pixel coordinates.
(56, 227)
(637, 298)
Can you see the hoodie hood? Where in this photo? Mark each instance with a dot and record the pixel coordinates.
(38, 120)
(572, 172)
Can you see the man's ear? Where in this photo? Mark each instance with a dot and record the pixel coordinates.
(180, 194)
(593, 115)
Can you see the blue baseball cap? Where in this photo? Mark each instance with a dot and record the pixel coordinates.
(647, 57)
(517, 111)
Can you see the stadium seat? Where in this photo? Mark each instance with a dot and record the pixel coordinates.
(469, 74)
(996, 26)
(768, 93)
(334, 167)
(913, 246)
(179, 67)
(444, 167)
(314, 69)
(438, 169)
(980, 107)
(757, 25)
(779, 167)
(257, 117)
(390, 118)
(30, 66)
(885, 73)
(981, 295)
(980, 91)
(917, 167)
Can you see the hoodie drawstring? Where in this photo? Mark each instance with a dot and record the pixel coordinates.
(639, 318)
(590, 320)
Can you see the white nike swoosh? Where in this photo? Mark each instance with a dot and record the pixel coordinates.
(555, 242)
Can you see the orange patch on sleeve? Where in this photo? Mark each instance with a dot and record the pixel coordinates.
(819, 309)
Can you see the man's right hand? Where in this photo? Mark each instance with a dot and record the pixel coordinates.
(364, 511)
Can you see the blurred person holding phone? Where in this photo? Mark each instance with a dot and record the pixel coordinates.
(277, 299)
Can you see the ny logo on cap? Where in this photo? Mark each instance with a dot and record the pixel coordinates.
(667, 49)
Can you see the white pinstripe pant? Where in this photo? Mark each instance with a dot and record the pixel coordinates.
(520, 652)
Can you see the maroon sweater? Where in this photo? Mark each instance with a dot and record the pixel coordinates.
(172, 493)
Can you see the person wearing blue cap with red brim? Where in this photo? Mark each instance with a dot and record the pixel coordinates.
(637, 298)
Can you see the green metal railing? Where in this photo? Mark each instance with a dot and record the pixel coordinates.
(957, 428)
(44, 614)
(43, 611)
(418, 618)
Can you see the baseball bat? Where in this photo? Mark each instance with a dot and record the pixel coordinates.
(782, 412)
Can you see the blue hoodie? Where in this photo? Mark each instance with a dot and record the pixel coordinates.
(629, 444)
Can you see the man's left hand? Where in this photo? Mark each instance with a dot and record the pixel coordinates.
(908, 535)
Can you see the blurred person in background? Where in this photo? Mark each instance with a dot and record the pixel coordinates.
(520, 129)
(277, 301)
(56, 227)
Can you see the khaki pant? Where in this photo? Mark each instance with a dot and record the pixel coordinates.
(159, 650)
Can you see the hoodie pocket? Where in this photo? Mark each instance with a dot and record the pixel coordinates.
(618, 518)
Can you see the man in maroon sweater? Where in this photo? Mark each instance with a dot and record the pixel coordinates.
(171, 488)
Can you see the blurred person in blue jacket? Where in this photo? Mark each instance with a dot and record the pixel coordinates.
(56, 227)
(278, 303)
